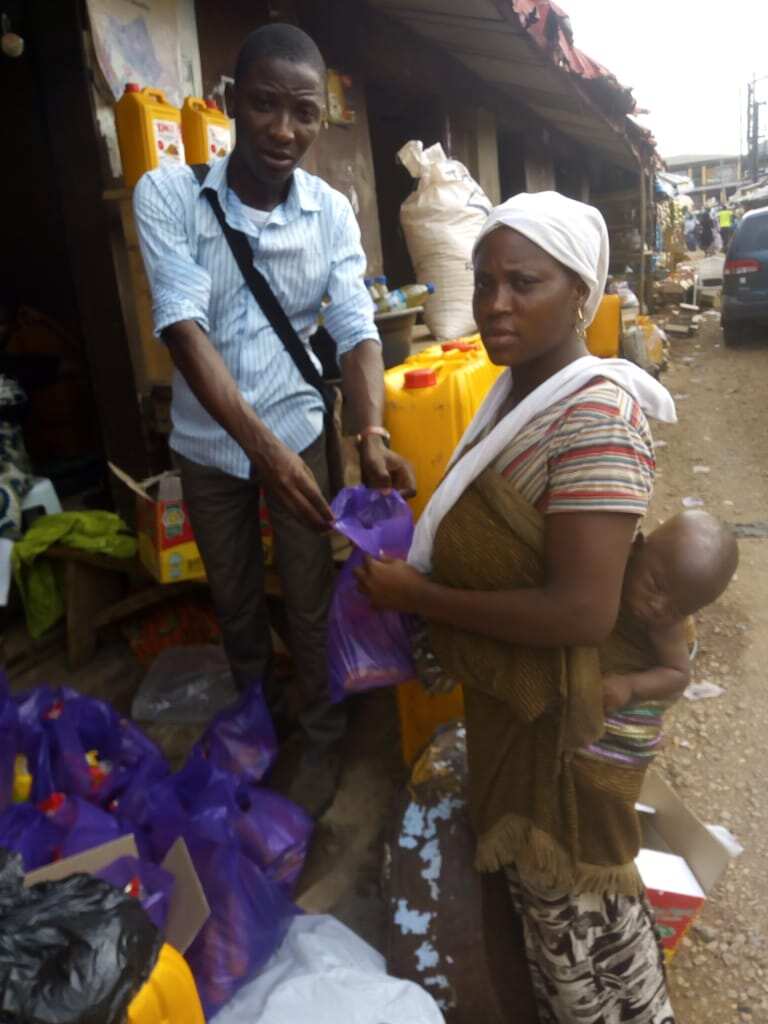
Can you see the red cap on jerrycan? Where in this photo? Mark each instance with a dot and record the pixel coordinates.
(421, 378)
(458, 346)
(212, 104)
(132, 87)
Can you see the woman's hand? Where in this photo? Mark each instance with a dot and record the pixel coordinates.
(391, 585)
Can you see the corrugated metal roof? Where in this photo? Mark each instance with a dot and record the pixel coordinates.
(524, 49)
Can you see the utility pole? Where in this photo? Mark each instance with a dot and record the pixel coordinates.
(753, 128)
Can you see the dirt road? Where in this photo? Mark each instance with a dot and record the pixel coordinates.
(715, 755)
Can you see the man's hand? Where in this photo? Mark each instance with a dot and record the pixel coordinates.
(617, 692)
(289, 478)
(383, 469)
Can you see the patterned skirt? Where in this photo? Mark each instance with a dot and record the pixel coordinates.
(593, 958)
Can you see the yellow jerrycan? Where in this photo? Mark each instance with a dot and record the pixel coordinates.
(430, 400)
(206, 131)
(148, 132)
(169, 996)
(604, 333)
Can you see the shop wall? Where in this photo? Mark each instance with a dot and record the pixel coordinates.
(343, 157)
(473, 139)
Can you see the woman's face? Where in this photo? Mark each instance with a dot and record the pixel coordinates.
(525, 302)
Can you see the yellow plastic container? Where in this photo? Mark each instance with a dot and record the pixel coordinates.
(604, 333)
(206, 131)
(148, 131)
(170, 996)
(421, 713)
(430, 401)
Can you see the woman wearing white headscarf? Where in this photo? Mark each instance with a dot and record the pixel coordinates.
(517, 568)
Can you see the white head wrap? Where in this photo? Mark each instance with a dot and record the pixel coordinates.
(572, 232)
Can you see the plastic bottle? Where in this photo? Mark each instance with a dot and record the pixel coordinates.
(206, 130)
(380, 286)
(148, 131)
(378, 291)
(22, 780)
(408, 296)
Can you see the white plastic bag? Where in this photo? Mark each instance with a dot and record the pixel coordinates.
(441, 221)
(326, 974)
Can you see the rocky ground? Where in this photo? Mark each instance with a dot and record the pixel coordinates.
(715, 756)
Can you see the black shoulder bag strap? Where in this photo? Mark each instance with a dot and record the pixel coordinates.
(266, 298)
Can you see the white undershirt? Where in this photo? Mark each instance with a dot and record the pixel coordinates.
(258, 217)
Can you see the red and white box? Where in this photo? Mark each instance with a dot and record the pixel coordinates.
(680, 861)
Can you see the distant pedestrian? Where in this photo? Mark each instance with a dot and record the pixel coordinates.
(726, 220)
(706, 235)
(689, 226)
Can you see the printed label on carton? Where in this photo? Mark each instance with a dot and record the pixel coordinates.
(173, 521)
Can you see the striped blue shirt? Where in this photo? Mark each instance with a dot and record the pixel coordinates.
(308, 248)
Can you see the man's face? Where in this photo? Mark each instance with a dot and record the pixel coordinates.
(278, 107)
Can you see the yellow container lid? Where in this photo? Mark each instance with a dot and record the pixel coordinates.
(170, 996)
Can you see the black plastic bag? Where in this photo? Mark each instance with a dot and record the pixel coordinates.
(71, 952)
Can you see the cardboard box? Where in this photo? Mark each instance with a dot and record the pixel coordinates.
(167, 545)
(680, 861)
(189, 908)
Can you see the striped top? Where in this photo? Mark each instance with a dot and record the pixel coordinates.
(593, 452)
(307, 248)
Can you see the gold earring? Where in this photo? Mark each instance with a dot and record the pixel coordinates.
(581, 327)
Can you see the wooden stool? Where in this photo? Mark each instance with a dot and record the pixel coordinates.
(95, 595)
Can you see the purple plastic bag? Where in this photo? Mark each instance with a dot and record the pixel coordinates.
(242, 739)
(9, 742)
(154, 814)
(140, 763)
(268, 828)
(154, 883)
(81, 824)
(46, 724)
(26, 830)
(59, 727)
(249, 918)
(229, 835)
(274, 832)
(366, 648)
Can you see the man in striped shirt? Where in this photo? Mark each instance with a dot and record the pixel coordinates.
(244, 418)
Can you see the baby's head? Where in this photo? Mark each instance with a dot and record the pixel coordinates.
(683, 566)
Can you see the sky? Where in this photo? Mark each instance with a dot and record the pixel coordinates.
(687, 61)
